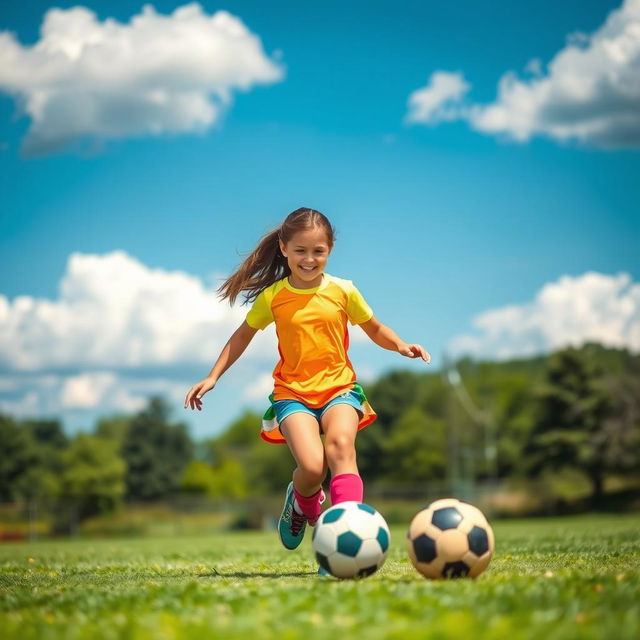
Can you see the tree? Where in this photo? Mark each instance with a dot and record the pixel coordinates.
(156, 452)
(266, 467)
(415, 450)
(371, 454)
(19, 455)
(93, 476)
(620, 437)
(573, 407)
(50, 440)
(513, 417)
(114, 427)
(270, 467)
(226, 480)
(390, 396)
(48, 433)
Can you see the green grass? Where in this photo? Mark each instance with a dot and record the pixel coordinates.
(553, 578)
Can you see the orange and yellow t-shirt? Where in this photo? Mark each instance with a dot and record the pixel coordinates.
(311, 325)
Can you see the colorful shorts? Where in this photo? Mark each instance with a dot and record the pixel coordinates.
(281, 409)
(284, 408)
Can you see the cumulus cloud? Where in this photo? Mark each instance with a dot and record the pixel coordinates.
(114, 311)
(156, 74)
(78, 395)
(260, 389)
(590, 92)
(117, 333)
(86, 391)
(438, 101)
(593, 307)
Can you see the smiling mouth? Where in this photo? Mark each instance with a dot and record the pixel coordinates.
(308, 270)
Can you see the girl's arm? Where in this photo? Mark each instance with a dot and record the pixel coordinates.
(231, 351)
(387, 338)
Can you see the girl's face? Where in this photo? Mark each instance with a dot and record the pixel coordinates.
(306, 253)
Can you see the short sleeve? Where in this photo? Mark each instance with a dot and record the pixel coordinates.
(260, 315)
(358, 311)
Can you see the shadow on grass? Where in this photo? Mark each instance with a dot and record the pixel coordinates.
(256, 574)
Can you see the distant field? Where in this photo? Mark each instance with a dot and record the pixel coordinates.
(562, 578)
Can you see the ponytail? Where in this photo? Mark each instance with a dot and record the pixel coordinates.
(262, 267)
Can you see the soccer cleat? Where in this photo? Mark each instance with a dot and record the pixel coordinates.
(291, 525)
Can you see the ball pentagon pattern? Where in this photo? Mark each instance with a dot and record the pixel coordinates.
(450, 538)
(351, 540)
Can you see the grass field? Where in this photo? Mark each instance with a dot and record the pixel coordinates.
(563, 578)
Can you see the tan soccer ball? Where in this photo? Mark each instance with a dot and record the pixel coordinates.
(450, 538)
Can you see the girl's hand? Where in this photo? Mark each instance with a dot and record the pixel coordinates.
(197, 391)
(415, 351)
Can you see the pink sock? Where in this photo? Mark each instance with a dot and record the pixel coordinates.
(309, 505)
(346, 486)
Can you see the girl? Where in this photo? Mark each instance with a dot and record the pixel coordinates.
(315, 391)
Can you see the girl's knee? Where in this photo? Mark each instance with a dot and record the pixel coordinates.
(340, 447)
(313, 470)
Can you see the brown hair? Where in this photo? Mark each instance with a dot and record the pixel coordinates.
(266, 264)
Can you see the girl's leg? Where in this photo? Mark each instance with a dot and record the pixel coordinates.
(340, 426)
(303, 437)
(304, 495)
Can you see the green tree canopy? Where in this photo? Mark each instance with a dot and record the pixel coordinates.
(416, 448)
(30, 462)
(266, 467)
(156, 452)
(573, 406)
(19, 454)
(93, 475)
(226, 480)
(48, 433)
(114, 427)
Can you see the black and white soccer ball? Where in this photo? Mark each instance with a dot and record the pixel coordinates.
(450, 538)
(351, 540)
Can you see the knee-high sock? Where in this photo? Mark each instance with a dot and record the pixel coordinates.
(346, 486)
(309, 506)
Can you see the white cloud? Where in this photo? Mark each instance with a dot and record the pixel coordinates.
(118, 333)
(83, 394)
(590, 92)
(593, 307)
(437, 101)
(115, 312)
(85, 390)
(260, 388)
(534, 67)
(29, 404)
(157, 74)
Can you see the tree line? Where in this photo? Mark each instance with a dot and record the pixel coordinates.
(575, 408)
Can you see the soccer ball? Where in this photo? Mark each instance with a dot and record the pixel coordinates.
(450, 538)
(351, 540)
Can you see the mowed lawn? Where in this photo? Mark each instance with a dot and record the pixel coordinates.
(565, 578)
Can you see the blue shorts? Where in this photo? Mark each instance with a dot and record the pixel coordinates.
(284, 408)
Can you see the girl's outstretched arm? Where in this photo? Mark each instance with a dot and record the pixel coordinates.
(387, 338)
(231, 351)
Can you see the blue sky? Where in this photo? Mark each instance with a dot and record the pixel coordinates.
(483, 225)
